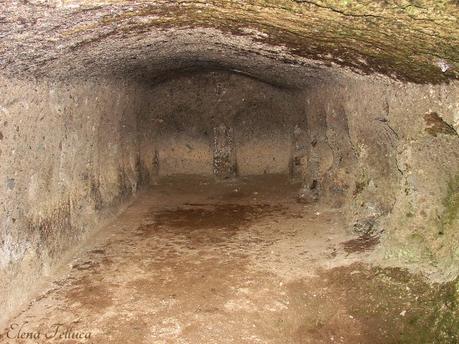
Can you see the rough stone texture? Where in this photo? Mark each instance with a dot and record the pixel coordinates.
(69, 153)
(384, 150)
(100, 97)
(393, 173)
(411, 41)
(224, 152)
(186, 112)
(194, 261)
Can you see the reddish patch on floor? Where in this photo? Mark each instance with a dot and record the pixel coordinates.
(204, 216)
(363, 243)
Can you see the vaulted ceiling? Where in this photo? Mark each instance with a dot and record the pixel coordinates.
(283, 40)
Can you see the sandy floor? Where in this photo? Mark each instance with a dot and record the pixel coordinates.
(199, 262)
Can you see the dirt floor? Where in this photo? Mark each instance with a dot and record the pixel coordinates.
(194, 261)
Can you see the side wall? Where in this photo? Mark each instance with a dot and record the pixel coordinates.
(390, 152)
(68, 153)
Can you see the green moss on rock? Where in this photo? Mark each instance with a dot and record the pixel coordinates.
(451, 203)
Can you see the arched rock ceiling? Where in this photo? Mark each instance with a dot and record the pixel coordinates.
(415, 40)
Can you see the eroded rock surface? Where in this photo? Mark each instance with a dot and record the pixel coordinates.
(410, 41)
(357, 101)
